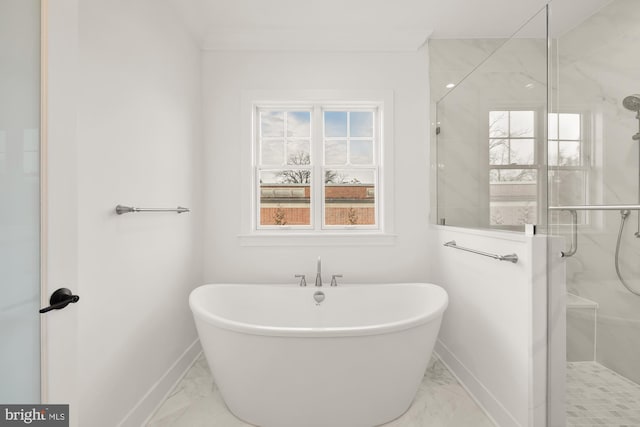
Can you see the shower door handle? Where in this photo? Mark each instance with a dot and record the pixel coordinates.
(60, 299)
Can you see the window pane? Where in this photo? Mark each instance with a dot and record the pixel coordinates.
(298, 152)
(299, 124)
(361, 152)
(569, 153)
(498, 123)
(553, 153)
(569, 126)
(349, 197)
(522, 152)
(272, 123)
(272, 152)
(512, 175)
(498, 152)
(521, 123)
(361, 124)
(285, 197)
(335, 152)
(553, 126)
(335, 124)
(352, 176)
(512, 197)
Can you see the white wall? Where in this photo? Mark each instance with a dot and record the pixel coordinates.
(139, 128)
(226, 76)
(493, 334)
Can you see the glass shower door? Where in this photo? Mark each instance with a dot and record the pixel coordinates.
(594, 180)
(19, 201)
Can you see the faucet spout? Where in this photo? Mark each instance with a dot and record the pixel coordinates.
(319, 275)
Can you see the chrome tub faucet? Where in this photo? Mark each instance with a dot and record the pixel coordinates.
(319, 275)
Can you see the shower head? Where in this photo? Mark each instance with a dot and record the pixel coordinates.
(632, 102)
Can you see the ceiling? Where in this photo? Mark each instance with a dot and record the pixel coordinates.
(357, 25)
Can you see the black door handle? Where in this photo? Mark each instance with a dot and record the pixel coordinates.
(60, 299)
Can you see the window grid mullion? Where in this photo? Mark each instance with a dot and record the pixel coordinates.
(515, 166)
(509, 136)
(317, 132)
(348, 138)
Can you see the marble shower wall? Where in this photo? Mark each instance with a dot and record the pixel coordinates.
(500, 75)
(596, 65)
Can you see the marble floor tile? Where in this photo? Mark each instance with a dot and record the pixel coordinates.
(440, 402)
(597, 395)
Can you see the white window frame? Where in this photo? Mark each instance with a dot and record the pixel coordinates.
(257, 167)
(538, 157)
(377, 109)
(588, 158)
(253, 234)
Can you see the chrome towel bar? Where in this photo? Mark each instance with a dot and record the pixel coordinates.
(595, 208)
(509, 257)
(120, 209)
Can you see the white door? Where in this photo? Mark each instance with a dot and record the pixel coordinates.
(38, 249)
(19, 201)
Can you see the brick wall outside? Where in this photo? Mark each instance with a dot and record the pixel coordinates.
(292, 216)
(347, 192)
(341, 216)
(346, 205)
(364, 215)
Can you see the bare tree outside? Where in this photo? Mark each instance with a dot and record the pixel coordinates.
(296, 176)
(500, 153)
(334, 177)
(303, 176)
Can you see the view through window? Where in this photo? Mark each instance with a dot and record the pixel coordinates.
(317, 178)
(515, 159)
(513, 170)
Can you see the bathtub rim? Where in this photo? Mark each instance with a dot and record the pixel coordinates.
(200, 313)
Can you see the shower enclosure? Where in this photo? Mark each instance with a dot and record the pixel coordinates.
(544, 128)
(595, 72)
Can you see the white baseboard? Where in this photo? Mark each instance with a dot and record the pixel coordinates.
(496, 412)
(141, 413)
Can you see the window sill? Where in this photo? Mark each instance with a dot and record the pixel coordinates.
(311, 239)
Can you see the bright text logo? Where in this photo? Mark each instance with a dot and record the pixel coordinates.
(36, 415)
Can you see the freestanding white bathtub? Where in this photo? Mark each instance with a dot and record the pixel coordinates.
(280, 359)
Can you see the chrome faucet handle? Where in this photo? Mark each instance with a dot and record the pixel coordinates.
(334, 282)
(303, 280)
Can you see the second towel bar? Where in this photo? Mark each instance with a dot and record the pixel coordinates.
(509, 257)
(120, 209)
